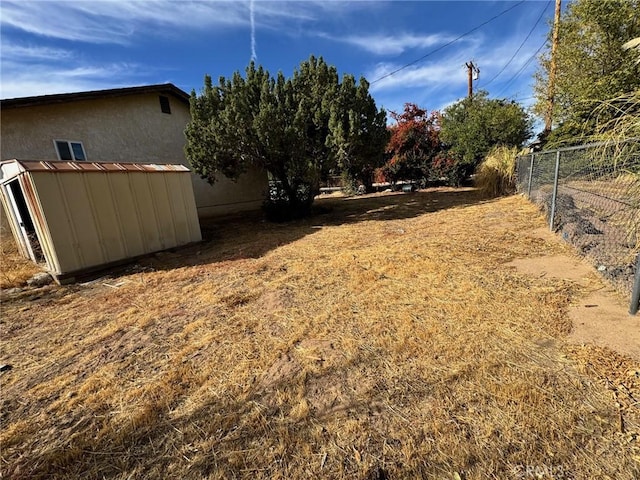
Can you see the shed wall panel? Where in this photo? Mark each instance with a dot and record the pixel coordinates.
(178, 209)
(189, 200)
(162, 206)
(104, 211)
(82, 216)
(12, 221)
(34, 205)
(130, 224)
(61, 230)
(143, 203)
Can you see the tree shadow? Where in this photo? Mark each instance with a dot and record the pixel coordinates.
(229, 427)
(394, 206)
(249, 235)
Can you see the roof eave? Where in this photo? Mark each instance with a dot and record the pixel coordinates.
(60, 98)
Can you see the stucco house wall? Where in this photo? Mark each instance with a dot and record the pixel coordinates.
(121, 128)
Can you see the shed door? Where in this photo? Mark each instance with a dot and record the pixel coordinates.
(27, 229)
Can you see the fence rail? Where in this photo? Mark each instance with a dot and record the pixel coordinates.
(591, 196)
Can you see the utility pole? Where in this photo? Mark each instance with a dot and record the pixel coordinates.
(473, 73)
(548, 120)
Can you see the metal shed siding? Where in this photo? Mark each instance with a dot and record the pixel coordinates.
(113, 239)
(162, 209)
(147, 216)
(178, 208)
(35, 209)
(87, 216)
(128, 215)
(53, 233)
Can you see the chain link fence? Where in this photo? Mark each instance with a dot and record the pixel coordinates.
(591, 196)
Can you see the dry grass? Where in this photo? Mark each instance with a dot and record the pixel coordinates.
(620, 149)
(386, 339)
(625, 124)
(495, 176)
(15, 270)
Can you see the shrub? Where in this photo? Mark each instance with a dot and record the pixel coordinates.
(280, 207)
(349, 184)
(495, 176)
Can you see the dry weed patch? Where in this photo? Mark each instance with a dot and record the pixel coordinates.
(385, 339)
(15, 270)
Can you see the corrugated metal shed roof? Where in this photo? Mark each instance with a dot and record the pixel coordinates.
(69, 166)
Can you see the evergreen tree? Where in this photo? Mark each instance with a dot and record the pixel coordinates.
(295, 128)
(358, 132)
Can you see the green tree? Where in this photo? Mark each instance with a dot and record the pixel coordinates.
(358, 132)
(471, 127)
(295, 128)
(592, 65)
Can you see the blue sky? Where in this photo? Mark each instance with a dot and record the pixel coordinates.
(67, 46)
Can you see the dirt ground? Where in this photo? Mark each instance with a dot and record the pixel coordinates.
(601, 315)
(432, 334)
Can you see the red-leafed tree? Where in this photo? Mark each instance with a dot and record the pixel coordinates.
(414, 144)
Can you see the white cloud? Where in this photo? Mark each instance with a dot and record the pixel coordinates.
(44, 79)
(445, 79)
(34, 65)
(391, 44)
(68, 21)
(439, 81)
(495, 58)
(117, 21)
(429, 85)
(252, 15)
(26, 53)
(427, 75)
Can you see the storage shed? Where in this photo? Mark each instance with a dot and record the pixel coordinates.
(79, 216)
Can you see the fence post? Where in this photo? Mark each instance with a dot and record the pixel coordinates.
(530, 176)
(635, 294)
(555, 191)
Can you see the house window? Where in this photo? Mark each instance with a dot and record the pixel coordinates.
(67, 150)
(164, 104)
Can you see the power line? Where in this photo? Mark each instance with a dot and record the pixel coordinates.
(521, 45)
(517, 74)
(446, 44)
(519, 99)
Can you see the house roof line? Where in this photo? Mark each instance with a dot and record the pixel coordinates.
(167, 88)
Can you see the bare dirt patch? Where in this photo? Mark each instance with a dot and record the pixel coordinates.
(387, 336)
(554, 266)
(599, 315)
(600, 318)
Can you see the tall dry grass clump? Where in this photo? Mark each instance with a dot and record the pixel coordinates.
(495, 176)
(15, 270)
(625, 123)
(619, 148)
